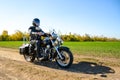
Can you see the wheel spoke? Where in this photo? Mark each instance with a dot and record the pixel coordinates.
(66, 59)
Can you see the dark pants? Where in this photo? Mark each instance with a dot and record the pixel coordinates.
(35, 44)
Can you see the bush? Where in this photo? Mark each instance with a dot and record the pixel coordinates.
(18, 36)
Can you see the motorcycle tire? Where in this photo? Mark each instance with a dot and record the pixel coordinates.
(29, 58)
(67, 58)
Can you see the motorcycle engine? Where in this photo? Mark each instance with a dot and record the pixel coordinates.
(46, 51)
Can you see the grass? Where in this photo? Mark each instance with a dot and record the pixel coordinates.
(11, 44)
(100, 49)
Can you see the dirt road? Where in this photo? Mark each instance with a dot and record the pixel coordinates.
(14, 67)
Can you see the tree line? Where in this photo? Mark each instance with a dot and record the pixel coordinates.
(18, 36)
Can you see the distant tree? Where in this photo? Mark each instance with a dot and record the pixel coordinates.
(0, 38)
(87, 37)
(17, 36)
(4, 36)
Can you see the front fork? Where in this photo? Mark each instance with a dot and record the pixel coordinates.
(58, 53)
(56, 48)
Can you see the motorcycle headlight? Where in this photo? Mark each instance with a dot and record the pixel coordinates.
(55, 43)
(60, 40)
(54, 36)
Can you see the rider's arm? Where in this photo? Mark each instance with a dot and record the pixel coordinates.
(39, 32)
(42, 33)
(30, 30)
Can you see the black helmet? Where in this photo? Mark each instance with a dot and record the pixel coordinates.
(36, 22)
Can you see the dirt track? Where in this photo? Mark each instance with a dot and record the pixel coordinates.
(14, 67)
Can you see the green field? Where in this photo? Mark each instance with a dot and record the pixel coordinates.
(100, 49)
(11, 44)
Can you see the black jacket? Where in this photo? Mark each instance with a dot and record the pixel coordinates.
(33, 30)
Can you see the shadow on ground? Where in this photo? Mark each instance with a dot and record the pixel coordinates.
(81, 67)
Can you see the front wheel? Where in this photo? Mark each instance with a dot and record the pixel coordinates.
(67, 58)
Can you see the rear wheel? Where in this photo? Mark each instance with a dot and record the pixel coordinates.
(29, 58)
(67, 58)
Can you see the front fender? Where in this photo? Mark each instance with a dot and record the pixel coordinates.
(59, 49)
(63, 48)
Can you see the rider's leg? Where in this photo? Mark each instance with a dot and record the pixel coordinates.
(31, 46)
(38, 46)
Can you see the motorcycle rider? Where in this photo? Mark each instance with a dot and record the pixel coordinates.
(35, 36)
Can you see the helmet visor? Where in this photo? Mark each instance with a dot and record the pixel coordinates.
(37, 21)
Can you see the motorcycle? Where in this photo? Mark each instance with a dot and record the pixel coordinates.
(51, 49)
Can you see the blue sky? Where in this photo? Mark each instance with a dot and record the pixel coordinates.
(94, 17)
